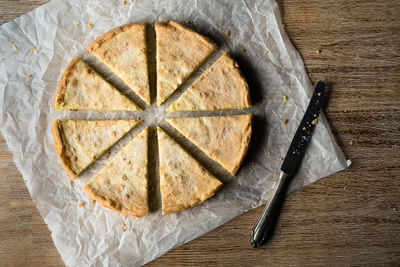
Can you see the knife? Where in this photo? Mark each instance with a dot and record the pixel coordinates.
(290, 165)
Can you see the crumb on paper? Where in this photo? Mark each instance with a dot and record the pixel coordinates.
(114, 133)
(280, 158)
(228, 32)
(70, 183)
(33, 47)
(37, 52)
(80, 205)
(351, 143)
(243, 50)
(108, 154)
(269, 153)
(74, 54)
(123, 229)
(29, 76)
(76, 24)
(123, 225)
(314, 121)
(266, 51)
(284, 97)
(124, 3)
(318, 51)
(93, 201)
(13, 46)
(90, 25)
(285, 121)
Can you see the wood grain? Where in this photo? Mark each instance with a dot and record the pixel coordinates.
(350, 218)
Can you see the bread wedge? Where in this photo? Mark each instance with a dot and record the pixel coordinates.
(122, 184)
(184, 183)
(180, 51)
(124, 51)
(79, 143)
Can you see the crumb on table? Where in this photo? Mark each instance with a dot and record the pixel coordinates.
(80, 205)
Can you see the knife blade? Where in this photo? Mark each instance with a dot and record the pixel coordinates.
(290, 165)
(302, 136)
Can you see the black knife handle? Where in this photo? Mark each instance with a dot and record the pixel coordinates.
(262, 228)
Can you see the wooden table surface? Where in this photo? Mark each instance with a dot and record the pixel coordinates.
(349, 218)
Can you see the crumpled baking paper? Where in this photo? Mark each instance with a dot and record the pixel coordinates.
(42, 42)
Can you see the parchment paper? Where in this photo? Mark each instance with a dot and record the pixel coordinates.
(92, 235)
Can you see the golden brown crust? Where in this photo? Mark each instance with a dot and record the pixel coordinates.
(225, 139)
(111, 33)
(221, 86)
(63, 81)
(56, 132)
(110, 203)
